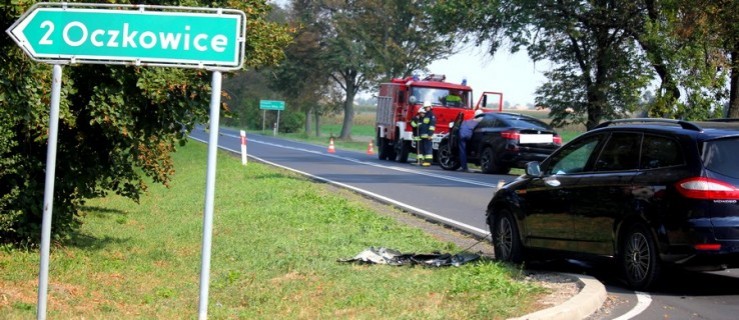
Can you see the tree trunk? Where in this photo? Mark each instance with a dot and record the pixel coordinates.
(308, 119)
(346, 128)
(351, 88)
(733, 111)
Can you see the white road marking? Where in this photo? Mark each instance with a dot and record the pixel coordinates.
(402, 169)
(643, 300)
(420, 211)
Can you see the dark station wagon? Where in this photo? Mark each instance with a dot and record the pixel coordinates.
(647, 193)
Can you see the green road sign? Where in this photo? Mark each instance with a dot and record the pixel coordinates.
(271, 105)
(141, 35)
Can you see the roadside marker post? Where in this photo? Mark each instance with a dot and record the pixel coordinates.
(243, 147)
(146, 35)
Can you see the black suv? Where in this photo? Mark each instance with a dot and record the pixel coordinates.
(501, 141)
(647, 192)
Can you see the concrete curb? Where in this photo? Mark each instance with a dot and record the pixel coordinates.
(591, 297)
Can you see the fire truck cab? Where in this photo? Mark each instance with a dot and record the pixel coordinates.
(398, 103)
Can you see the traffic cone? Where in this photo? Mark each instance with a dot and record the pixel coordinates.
(331, 148)
(370, 147)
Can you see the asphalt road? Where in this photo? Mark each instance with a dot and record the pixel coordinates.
(459, 199)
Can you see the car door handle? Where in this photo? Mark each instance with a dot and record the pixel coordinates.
(552, 182)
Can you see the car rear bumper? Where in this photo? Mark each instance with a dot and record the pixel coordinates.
(704, 252)
(707, 260)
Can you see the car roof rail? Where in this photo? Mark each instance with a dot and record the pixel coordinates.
(684, 124)
(724, 120)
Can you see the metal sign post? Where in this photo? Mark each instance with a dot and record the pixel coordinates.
(56, 87)
(64, 33)
(210, 186)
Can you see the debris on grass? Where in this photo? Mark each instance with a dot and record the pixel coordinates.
(393, 257)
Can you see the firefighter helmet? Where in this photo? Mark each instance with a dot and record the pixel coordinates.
(421, 109)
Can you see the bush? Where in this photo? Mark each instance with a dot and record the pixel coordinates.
(291, 122)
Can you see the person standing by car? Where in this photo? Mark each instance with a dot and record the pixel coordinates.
(425, 124)
(465, 134)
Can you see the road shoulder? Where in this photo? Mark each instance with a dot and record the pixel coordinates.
(571, 296)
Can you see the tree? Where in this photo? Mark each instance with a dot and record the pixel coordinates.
(370, 41)
(716, 26)
(116, 123)
(598, 72)
(685, 43)
(356, 45)
(302, 76)
(406, 40)
(684, 60)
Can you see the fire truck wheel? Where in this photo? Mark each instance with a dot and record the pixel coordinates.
(382, 153)
(447, 159)
(385, 149)
(402, 148)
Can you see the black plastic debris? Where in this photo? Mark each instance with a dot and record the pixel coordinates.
(396, 258)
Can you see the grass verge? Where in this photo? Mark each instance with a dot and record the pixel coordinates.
(276, 240)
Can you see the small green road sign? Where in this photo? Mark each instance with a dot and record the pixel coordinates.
(140, 35)
(271, 105)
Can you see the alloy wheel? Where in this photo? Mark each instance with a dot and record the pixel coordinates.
(504, 239)
(637, 257)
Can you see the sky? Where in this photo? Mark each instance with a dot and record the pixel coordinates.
(515, 75)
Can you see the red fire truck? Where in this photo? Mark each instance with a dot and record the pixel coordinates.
(398, 103)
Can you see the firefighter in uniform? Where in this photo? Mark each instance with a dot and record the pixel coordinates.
(425, 123)
(454, 99)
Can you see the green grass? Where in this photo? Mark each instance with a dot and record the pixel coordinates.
(276, 239)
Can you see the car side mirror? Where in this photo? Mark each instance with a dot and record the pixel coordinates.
(533, 169)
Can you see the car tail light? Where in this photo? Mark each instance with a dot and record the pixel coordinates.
(707, 189)
(557, 140)
(510, 135)
(707, 247)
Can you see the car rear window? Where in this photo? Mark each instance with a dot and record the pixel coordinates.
(620, 153)
(660, 152)
(525, 122)
(720, 156)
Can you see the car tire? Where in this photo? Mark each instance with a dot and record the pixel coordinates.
(447, 159)
(506, 238)
(402, 148)
(638, 258)
(487, 160)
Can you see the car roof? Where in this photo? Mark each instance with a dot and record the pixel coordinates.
(702, 130)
